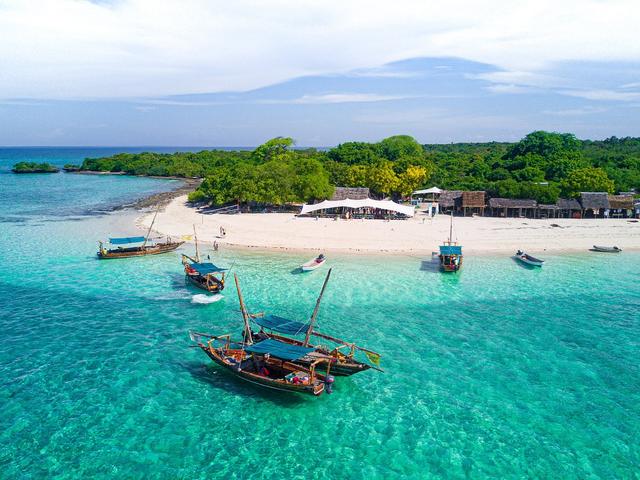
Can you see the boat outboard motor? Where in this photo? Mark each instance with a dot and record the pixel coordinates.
(328, 383)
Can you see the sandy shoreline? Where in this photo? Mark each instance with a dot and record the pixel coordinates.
(478, 235)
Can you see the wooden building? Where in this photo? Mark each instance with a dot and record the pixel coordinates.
(352, 193)
(595, 204)
(472, 202)
(547, 210)
(448, 201)
(621, 206)
(569, 208)
(513, 207)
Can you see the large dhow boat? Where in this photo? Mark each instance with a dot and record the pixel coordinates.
(450, 253)
(284, 330)
(204, 275)
(125, 246)
(269, 362)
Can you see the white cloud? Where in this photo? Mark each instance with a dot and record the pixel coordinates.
(508, 88)
(574, 112)
(603, 95)
(146, 48)
(345, 98)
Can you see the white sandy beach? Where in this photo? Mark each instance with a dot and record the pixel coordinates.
(284, 231)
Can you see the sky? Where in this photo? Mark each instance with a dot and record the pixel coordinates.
(221, 73)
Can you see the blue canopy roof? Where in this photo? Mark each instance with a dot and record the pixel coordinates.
(284, 351)
(450, 250)
(206, 268)
(281, 324)
(125, 240)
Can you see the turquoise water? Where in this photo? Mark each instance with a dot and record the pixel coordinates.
(499, 372)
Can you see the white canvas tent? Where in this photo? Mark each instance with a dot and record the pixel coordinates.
(363, 203)
(428, 190)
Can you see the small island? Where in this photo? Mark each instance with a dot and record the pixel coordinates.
(33, 167)
(69, 167)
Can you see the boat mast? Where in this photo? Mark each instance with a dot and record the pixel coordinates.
(315, 310)
(245, 314)
(146, 239)
(451, 229)
(195, 237)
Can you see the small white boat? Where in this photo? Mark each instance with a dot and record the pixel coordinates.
(528, 259)
(600, 248)
(313, 264)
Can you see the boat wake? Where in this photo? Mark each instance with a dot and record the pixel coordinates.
(202, 299)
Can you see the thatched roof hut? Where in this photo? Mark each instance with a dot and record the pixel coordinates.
(568, 204)
(448, 198)
(622, 202)
(473, 199)
(512, 203)
(352, 193)
(549, 206)
(594, 200)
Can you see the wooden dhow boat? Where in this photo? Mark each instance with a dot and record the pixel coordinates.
(125, 246)
(450, 253)
(529, 259)
(343, 354)
(600, 248)
(268, 363)
(204, 275)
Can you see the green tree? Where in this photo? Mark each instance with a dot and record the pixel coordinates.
(382, 179)
(588, 179)
(399, 146)
(411, 179)
(545, 144)
(272, 148)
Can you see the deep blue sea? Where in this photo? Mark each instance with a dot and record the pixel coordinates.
(498, 372)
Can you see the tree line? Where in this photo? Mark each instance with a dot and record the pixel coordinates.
(542, 166)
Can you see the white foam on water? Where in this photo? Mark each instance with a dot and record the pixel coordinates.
(203, 299)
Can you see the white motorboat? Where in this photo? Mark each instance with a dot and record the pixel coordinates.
(528, 259)
(314, 263)
(600, 248)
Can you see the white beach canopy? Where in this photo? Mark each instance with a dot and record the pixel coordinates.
(428, 190)
(363, 203)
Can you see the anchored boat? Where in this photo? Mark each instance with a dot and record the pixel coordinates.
(204, 275)
(450, 253)
(528, 259)
(268, 363)
(132, 250)
(277, 328)
(599, 248)
(313, 263)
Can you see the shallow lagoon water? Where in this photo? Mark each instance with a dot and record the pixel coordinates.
(498, 372)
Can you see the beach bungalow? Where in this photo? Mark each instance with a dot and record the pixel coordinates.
(636, 208)
(569, 208)
(621, 206)
(548, 210)
(472, 202)
(513, 207)
(427, 200)
(449, 201)
(354, 193)
(595, 204)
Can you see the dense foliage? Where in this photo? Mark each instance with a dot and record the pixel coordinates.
(33, 167)
(542, 166)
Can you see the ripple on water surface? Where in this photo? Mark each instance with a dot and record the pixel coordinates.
(496, 372)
